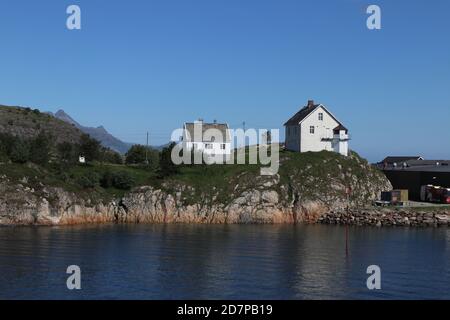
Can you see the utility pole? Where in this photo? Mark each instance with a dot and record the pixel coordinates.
(243, 125)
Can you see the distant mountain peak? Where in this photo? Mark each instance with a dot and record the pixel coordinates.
(99, 133)
(62, 115)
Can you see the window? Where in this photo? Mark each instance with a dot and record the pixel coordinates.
(321, 116)
(311, 129)
(222, 146)
(208, 145)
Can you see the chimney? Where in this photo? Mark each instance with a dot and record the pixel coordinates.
(310, 103)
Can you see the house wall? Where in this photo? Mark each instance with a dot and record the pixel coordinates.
(322, 129)
(200, 146)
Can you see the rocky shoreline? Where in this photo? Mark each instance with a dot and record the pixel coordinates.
(400, 217)
(312, 192)
(54, 206)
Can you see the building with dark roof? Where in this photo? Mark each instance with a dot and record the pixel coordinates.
(315, 128)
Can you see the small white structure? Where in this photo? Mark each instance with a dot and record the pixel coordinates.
(81, 159)
(314, 128)
(209, 138)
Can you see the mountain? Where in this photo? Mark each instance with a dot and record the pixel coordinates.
(27, 123)
(99, 133)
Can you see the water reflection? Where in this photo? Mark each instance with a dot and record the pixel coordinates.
(213, 262)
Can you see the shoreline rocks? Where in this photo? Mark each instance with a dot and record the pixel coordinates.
(401, 217)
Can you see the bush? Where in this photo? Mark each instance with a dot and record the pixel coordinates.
(88, 180)
(107, 180)
(119, 180)
(20, 152)
(123, 180)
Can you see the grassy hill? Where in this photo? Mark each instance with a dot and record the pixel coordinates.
(27, 123)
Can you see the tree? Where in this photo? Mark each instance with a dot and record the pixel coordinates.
(66, 152)
(110, 156)
(90, 148)
(166, 165)
(20, 152)
(138, 154)
(40, 148)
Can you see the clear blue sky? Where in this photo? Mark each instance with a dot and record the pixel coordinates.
(151, 65)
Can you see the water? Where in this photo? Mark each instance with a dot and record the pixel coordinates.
(223, 262)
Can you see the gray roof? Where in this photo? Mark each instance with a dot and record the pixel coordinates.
(217, 132)
(399, 159)
(414, 163)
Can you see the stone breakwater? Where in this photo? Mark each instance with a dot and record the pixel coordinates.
(406, 217)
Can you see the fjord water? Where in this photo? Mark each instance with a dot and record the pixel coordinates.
(223, 262)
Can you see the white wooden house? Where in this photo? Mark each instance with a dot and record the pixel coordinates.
(315, 128)
(209, 138)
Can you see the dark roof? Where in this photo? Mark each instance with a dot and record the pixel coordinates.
(398, 159)
(222, 127)
(302, 114)
(340, 127)
(305, 111)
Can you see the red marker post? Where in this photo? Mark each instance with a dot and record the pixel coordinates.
(348, 192)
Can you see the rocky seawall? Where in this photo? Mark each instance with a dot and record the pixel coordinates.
(407, 217)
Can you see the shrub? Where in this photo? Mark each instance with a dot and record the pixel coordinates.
(167, 167)
(119, 180)
(40, 148)
(88, 180)
(107, 180)
(20, 152)
(122, 180)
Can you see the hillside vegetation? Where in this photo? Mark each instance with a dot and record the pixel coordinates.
(28, 123)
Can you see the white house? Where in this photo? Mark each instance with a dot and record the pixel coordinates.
(210, 138)
(81, 159)
(314, 128)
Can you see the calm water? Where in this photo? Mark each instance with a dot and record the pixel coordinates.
(230, 262)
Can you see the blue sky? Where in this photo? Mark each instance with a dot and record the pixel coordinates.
(151, 65)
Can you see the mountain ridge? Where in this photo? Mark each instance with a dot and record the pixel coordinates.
(99, 133)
